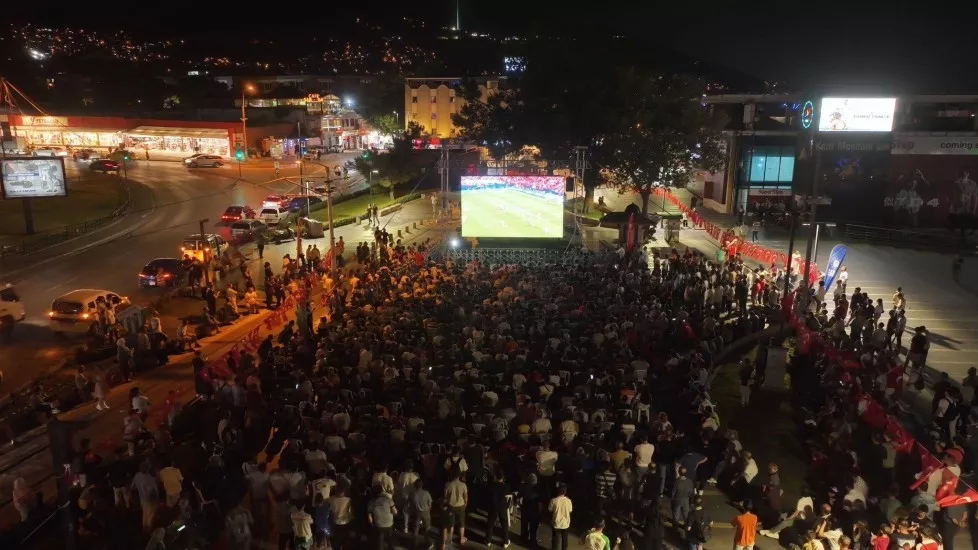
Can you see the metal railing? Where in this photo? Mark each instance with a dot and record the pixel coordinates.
(938, 241)
(526, 256)
(39, 242)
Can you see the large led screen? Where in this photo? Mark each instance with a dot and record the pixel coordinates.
(28, 178)
(513, 206)
(856, 114)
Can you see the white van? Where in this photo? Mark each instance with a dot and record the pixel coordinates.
(11, 308)
(75, 312)
(274, 215)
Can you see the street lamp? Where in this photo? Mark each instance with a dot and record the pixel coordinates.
(397, 118)
(349, 102)
(244, 118)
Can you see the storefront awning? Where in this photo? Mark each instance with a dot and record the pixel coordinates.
(161, 131)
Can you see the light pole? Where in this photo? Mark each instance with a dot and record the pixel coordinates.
(397, 118)
(370, 184)
(332, 237)
(244, 120)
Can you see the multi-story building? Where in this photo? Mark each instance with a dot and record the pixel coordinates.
(431, 102)
(908, 161)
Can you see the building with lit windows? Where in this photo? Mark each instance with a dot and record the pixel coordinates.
(916, 165)
(431, 102)
(159, 139)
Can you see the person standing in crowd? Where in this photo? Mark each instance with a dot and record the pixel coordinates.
(498, 510)
(560, 508)
(745, 528)
(457, 500)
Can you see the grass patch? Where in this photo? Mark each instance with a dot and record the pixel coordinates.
(345, 212)
(766, 427)
(90, 197)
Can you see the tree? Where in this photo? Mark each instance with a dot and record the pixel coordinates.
(386, 125)
(661, 133)
(491, 123)
(640, 127)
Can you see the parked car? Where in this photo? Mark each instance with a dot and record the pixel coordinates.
(73, 313)
(299, 204)
(162, 272)
(272, 216)
(86, 155)
(204, 161)
(276, 201)
(50, 152)
(105, 166)
(245, 230)
(237, 213)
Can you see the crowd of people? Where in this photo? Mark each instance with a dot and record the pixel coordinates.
(436, 395)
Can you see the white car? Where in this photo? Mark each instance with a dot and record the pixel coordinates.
(204, 161)
(50, 152)
(272, 216)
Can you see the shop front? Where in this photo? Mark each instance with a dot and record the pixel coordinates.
(103, 134)
(175, 143)
(765, 175)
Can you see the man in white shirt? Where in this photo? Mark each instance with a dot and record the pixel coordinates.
(546, 460)
(560, 508)
(542, 424)
(643, 457)
(384, 481)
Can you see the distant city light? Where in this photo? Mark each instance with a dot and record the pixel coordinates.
(38, 55)
(349, 102)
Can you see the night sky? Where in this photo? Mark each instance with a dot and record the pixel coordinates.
(865, 50)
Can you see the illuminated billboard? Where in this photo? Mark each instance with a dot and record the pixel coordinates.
(513, 206)
(856, 114)
(29, 178)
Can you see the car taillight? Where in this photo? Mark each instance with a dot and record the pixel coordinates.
(143, 275)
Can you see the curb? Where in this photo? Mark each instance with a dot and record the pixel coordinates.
(96, 224)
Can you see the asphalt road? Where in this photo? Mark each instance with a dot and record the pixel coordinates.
(168, 201)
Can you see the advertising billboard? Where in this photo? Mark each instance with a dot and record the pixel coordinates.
(513, 206)
(935, 145)
(856, 114)
(29, 178)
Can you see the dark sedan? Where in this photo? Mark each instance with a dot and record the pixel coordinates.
(162, 272)
(298, 204)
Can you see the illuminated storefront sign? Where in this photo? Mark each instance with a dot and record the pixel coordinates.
(26, 120)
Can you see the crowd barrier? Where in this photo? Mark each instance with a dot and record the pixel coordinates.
(733, 245)
(952, 491)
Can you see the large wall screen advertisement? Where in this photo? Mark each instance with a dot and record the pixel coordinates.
(28, 178)
(513, 206)
(931, 179)
(856, 114)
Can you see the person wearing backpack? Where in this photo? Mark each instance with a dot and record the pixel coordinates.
(746, 528)
(699, 526)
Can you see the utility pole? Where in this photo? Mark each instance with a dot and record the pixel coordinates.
(332, 237)
(207, 253)
(244, 126)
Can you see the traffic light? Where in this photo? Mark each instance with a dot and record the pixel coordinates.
(125, 157)
(239, 155)
(366, 155)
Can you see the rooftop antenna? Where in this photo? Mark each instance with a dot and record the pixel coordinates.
(458, 18)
